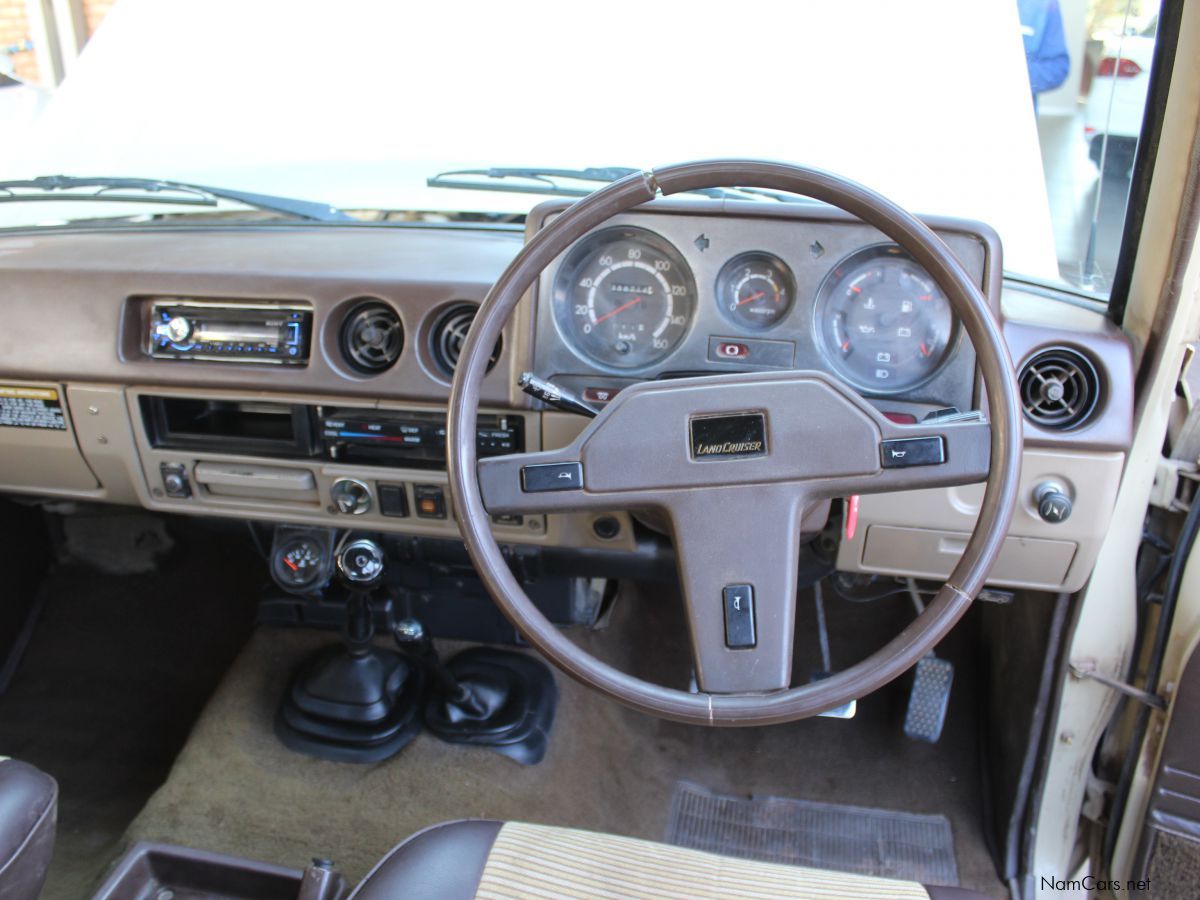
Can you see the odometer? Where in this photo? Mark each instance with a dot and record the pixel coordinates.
(624, 298)
(882, 321)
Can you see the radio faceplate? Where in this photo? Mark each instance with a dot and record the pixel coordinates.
(229, 331)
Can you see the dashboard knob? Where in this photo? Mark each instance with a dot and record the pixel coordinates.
(1053, 502)
(361, 562)
(176, 330)
(350, 496)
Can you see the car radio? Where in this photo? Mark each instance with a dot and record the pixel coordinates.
(229, 331)
(410, 438)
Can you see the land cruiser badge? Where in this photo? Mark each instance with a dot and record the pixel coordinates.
(729, 437)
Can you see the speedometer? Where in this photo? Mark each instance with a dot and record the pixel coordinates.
(882, 321)
(624, 298)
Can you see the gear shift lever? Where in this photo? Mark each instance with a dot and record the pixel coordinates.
(493, 698)
(353, 702)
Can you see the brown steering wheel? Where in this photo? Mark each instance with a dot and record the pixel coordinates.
(736, 518)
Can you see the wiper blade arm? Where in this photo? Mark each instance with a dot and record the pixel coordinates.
(548, 181)
(543, 180)
(153, 190)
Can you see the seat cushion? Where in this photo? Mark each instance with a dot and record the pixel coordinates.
(28, 807)
(461, 860)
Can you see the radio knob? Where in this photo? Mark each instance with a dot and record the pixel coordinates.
(176, 330)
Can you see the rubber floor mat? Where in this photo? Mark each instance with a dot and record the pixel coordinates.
(820, 835)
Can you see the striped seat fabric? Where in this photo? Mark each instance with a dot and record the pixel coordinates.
(540, 861)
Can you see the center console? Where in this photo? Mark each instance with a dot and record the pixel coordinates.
(330, 462)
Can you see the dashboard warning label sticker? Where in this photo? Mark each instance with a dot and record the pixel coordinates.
(31, 407)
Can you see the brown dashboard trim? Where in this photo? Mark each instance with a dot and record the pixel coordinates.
(66, 300)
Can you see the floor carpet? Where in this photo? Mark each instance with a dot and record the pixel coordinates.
(117, 671)
(236, 789)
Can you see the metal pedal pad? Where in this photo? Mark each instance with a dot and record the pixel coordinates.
(929, 699)
(845, 711)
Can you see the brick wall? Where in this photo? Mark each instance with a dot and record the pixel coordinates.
(14, 33)
(94, 12)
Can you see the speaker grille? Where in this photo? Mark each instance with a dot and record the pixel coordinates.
(1059, 389)
(449, 335)
(372, 337)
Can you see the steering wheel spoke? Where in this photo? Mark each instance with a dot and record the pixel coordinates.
(738, 551)
(787, 429)
(914, 457)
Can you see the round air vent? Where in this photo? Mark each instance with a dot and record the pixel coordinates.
(449, 335)
(372, 337)
(1059, 389)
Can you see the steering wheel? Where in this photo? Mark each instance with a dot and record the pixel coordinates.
(736, 462)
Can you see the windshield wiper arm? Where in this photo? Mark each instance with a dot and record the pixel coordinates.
(154, 190)
(544, 181)
(548, 181)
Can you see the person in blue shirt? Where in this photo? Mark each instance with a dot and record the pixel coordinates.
(1045, 47)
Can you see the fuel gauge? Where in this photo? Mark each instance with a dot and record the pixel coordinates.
(756, 290)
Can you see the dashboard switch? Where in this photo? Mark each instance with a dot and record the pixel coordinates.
(350, 496)
(907, 452)
(600, 394)
(739, 616)
(393, 502)
(552, 477)
(430, 500)
(175, 480)
(732, 350)
(773, 354)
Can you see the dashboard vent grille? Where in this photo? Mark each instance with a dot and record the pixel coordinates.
(449, 335)
(372, 337)
(1059, 389)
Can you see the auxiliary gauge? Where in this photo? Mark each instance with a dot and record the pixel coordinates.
(756, 290)
(300, 560)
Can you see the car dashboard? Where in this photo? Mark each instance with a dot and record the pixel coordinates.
(300, 374)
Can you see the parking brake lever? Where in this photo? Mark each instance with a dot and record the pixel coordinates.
(550, 393)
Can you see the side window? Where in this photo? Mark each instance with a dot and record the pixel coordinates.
(1089, 68)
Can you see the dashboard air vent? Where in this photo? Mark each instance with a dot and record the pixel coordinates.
(372, 337)
(1059, 389)
(449, 335)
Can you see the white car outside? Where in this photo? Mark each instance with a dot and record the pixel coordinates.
(1116, 100)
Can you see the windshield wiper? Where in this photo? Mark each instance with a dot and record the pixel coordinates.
(154, 190)
(549, 182)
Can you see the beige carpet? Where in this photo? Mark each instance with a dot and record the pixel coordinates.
(236, 789)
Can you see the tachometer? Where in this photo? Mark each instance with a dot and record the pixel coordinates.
(756, 290)
(624, 297)
(881, 320)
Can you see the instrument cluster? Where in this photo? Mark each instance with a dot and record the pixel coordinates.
(654, 296)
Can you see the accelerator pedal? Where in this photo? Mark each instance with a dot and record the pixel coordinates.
(930, 695)
(929, 699)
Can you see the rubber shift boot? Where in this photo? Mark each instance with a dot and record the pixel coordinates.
(506, 702)
(360, 706)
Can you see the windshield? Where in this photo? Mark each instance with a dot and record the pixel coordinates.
(1023, 115)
